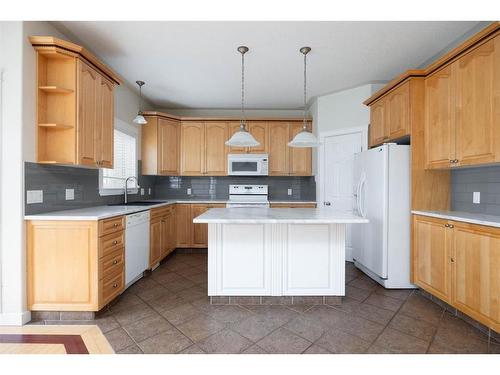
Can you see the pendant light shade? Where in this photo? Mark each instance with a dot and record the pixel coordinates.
(139, 119)
(305, 138)
(242, 138)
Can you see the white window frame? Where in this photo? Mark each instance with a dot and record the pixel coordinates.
(133, 132)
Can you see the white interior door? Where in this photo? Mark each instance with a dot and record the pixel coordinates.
(337, 175)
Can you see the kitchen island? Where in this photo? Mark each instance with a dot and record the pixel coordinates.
(276, 251)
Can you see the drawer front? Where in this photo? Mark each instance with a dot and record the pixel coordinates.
(112, 263)
(161, 211)
(112, 225)
(111, 243)
(112, 286)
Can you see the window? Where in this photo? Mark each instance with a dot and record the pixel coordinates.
(112, 181)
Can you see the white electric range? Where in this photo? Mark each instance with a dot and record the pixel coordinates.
(247, 196)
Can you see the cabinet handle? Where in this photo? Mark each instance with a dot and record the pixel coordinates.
(115, 285)
(451, 226)
(115, 225)
(115, 261)
(327, 203)
(452, 260)
(115, 242)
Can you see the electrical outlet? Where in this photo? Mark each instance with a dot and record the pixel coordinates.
(476, 197)
(149, 191)
(289, 191)
(142, 191)
(188, 191)
(34, 196)
(70, 194)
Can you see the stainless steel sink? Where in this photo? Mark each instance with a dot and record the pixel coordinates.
(138, 203)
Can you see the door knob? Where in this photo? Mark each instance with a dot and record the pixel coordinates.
(327, 203)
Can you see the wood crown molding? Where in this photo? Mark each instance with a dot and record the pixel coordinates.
(484, 35)
(72, 49)
(198, 119)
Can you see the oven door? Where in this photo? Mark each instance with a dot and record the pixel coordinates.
(244, 167)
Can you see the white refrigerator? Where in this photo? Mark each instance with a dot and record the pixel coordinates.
(381, 248)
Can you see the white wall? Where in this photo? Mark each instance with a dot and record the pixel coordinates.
(17, 140)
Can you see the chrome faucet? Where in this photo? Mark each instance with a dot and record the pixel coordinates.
(126, 184)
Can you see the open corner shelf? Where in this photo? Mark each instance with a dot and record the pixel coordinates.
(55, 126)
(56, 89)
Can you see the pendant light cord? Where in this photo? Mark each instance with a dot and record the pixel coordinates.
(242, 121)
(305, 89)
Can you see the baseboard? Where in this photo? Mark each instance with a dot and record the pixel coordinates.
(15, 319)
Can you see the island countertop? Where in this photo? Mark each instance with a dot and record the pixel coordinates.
(259, 215)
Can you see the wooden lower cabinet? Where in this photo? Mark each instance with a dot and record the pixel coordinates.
(162, 235)
(74, 265)
(190, 235)
(460, 264)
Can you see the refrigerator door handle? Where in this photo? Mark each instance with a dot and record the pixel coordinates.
(357, 197)
(360, 196)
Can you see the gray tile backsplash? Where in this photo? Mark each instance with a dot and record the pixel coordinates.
(486, 180)
(217, 188)
(54, 180)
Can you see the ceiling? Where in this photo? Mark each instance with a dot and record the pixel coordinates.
(196, 65)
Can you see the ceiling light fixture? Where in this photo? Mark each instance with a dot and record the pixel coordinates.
(305, 138)
(242, 138)
(139, 119)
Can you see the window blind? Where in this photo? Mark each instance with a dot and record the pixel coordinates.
(124, 162)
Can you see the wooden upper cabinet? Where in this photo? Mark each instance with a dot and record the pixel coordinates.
(260, 131)
(105, 123)
(477, 116)
(398, 111)
(168, 147)
(75, 105)
(233, 127)
(87, 131)
(216, 134)
(278, 149)
(192, 148)
(439, 133)
(300, 159)
(377, 122)
(476, 276)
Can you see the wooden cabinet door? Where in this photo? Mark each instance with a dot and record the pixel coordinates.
(183, 225)
(260, 131)
(155, 231)
(439, 133)
(233, 127)
(300, 158)
(378, 120)
(88, 84)
(172, 242)
(278, 149)
(398, 108)
(200, 231)
(476, 274)
(432, 241)
(192, 149)
(165, 234)
(215, 148)
(168, 147)
(105, 123)
(478, 105)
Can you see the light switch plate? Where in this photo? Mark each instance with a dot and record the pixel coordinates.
(34, 196)
(476, 197)
(142, 191)
(289, 191)
(188, 191)
(70, 194)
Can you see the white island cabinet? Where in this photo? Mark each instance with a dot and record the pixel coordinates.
(276, 251)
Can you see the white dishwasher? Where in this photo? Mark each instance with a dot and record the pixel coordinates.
(136, 246)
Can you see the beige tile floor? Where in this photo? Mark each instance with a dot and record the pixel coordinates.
(168, 312)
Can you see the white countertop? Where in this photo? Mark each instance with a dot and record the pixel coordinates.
(105, 212)
(277, 216)
(466, 217)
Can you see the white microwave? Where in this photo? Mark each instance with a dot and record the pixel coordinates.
(247, 165)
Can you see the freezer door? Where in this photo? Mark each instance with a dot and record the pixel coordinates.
(370, 240)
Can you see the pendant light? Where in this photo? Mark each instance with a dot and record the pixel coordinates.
(242, 138)
(305, 138)
(139, 119)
